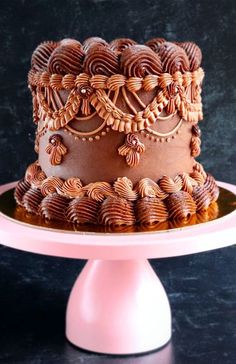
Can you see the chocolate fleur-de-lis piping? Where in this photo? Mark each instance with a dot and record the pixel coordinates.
(131, 150)
(56, 149)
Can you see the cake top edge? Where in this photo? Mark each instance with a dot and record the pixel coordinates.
(120, 56)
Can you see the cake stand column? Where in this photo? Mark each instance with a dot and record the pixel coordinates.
(118, 307)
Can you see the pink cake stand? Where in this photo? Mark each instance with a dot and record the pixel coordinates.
(118, 305)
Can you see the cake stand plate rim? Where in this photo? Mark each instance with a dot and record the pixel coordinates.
(207, 236)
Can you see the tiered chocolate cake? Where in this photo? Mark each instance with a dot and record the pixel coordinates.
(117, 133)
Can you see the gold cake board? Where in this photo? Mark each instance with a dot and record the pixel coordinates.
(225, 205)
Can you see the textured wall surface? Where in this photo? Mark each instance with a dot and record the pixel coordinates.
(201, 287)
(211, 24)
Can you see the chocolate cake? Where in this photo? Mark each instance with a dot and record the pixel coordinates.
(117, 133)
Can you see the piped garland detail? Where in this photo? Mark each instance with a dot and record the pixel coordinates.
(170, 96)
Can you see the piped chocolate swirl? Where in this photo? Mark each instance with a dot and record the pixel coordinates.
(89, 42)
(140, 61)
(83, 210)
(150, 210)
(41, 55)
(21, 188)
(194, 54)
(212, 188)
(67, 58)
(180, 205)
(119, 45)
(101, 60)
(32, 199)
(121, 55)
(53, 207)
(173, 58)
(155, 43)
(116, 211)
(201, 197)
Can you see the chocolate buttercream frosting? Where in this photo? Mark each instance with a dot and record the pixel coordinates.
(119, 45)
(201, 197)
(53, 207)
(32, 199)
(116, 211)
(117, 133)
(101, 60)
(70, 41)
(67, 58)
(212, 188)
(150, 210)
(120, 55)
(83, 210)
(194, 54)
(41, 55)
(124, 188)
(140, 61)
(180, 205)
(20, 190)
(148, 188)
(173, 58)
(155, 43)
(72, 188)
(51, 185)
(89, 42)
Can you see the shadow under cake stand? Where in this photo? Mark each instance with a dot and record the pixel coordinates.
(118, 305)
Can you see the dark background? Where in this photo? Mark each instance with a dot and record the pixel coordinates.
(201, 287)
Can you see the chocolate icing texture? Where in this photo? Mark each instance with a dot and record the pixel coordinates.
(51, 185)
(150, 210)
(155, 43)
(98, 191)
(32, 199)
(56, 149)
(41, 55)
(152, 94)
(53, 207)
(140, 61)
(194, 54)
(92, 72)
(180, 205)
(121, 203)
(212, 187)
(72, 188)
(148, 188)
(116, 211)
(83, 210)
(173, 58)
(67, 58)
(89, 42)
(119, 45)
(131, 150)
(34, 175)
(20, 190)
(195, 145)
(135, 60)
(201, 197)
(123, 186)
(101, 60)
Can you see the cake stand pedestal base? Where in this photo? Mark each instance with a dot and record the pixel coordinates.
(118, 307)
